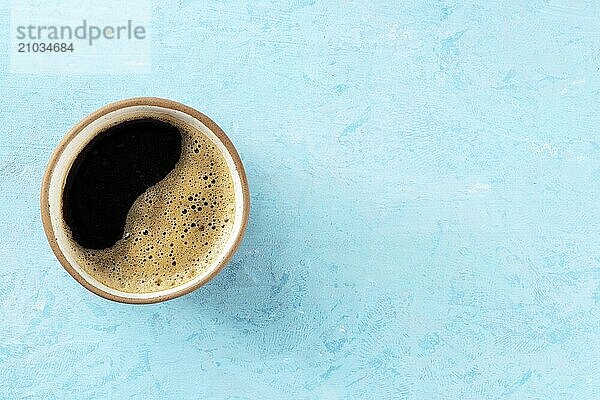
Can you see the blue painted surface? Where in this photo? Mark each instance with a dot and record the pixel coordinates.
(424, 225)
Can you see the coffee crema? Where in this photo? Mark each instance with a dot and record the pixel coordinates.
(148, 204)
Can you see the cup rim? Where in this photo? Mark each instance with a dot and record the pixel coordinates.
(76, 129)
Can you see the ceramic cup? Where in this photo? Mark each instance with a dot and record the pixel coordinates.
(80, 135)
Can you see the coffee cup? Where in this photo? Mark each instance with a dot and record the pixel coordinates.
(144, 200)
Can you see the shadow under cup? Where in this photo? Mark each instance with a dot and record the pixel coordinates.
(75, 142)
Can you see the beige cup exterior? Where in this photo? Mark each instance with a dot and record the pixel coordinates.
(79, 136)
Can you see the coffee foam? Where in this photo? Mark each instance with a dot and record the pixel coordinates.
(176, 229)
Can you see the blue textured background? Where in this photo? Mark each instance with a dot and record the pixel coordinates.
(424, 222)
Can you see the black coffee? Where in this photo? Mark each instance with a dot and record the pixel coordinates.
(149, 204)
(113, 170)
